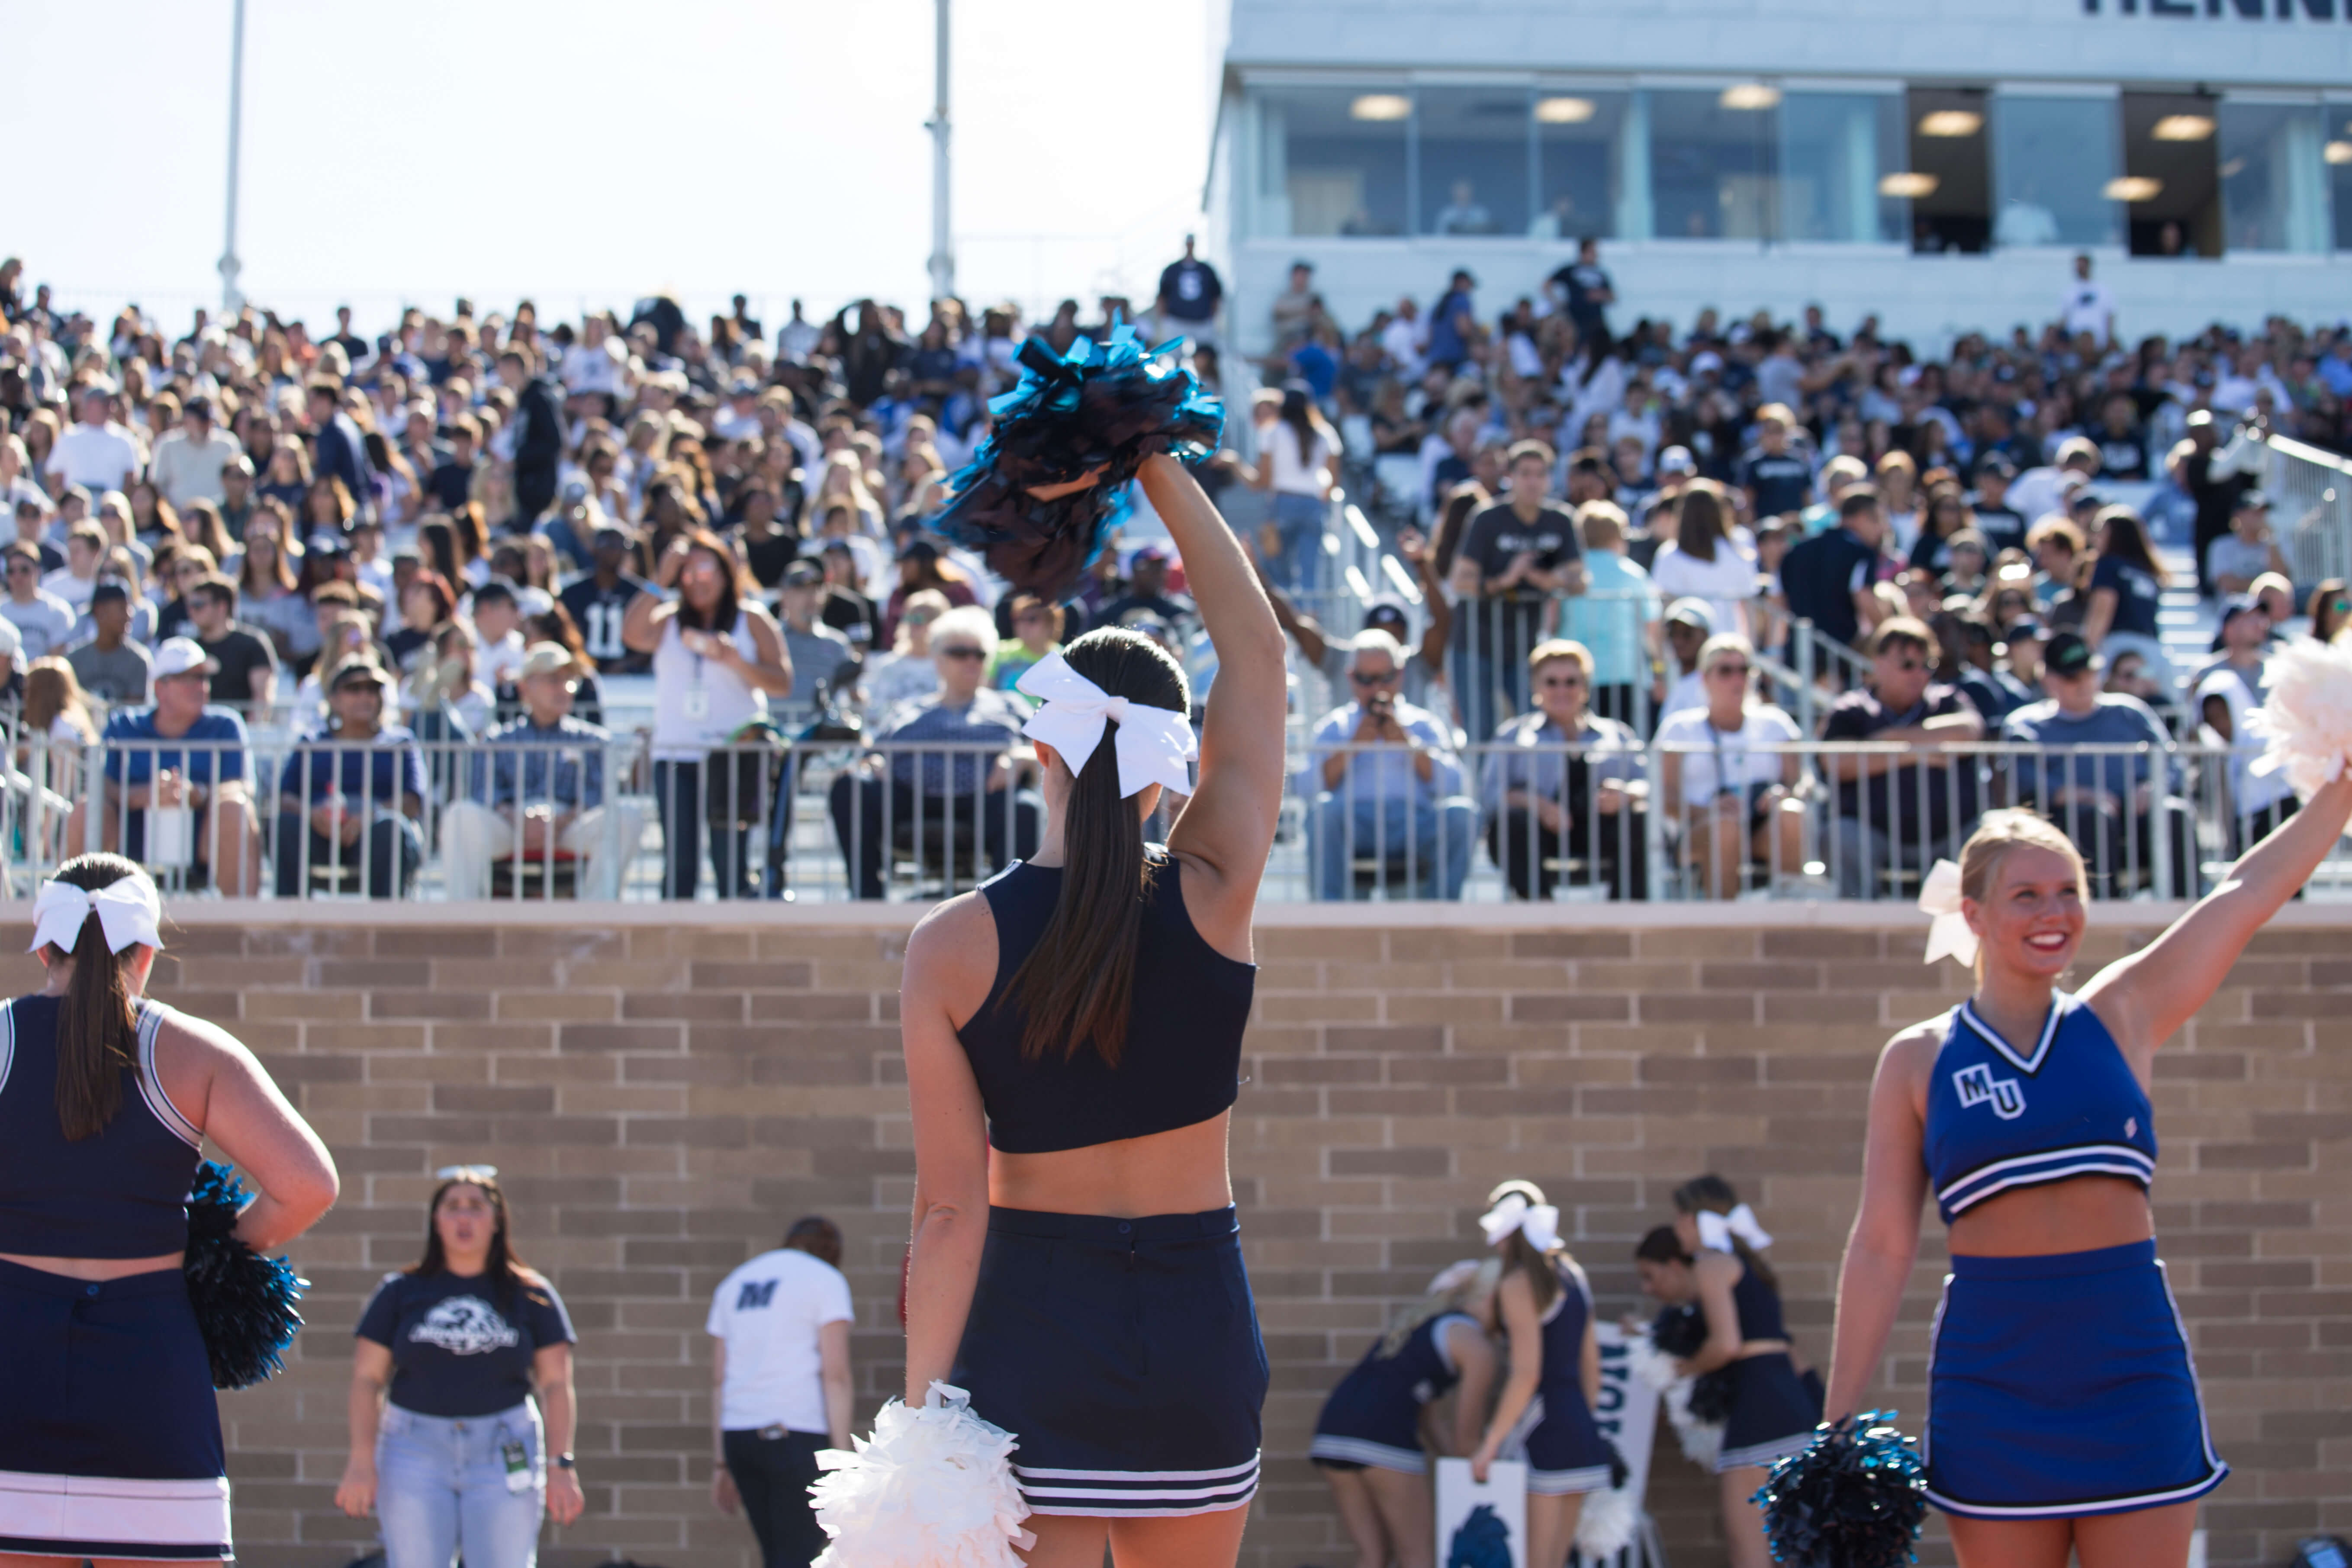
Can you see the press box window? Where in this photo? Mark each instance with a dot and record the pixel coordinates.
(1948, 178)
(1332, 161)
(1713, 153)
(2275, 177)
(1473, 147)
(2171, 183)
(2055, 167)
(1580, 163)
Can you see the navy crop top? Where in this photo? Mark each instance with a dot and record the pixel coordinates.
(1182, 1062)
(1758, 1306)
(1999, 1119)
(122, 1193)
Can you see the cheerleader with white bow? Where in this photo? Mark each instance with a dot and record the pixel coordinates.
(1545, 1414)
(1773, 1413)
(109, 1439)
(2062, 1408)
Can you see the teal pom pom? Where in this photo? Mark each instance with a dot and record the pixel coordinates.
(243, 1302)
(1101, 408)
(1855, 1499)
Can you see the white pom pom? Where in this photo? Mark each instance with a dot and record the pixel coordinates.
(2307, 717)
(1653, 1368)
(930, 1489)
(1607, 1523)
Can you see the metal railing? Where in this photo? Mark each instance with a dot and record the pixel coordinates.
(2311, 501)
(1611, 819)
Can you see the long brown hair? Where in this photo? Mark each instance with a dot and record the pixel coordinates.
(731, 590)
(1078, 983)
(1711, 1193)
(1699, 520)
(1521, 1256)
(504, 1265)
(98, 1028)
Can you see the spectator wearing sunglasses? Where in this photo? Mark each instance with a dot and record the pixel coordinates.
(1384, 783)
(2330, 608)
(1734, 801)
(1562, 779)
(42, 619)
(1893, 815)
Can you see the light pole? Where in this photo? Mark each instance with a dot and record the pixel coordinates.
(942, 234)
(232, 301)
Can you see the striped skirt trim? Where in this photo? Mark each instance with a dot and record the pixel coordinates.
(1137, 1494)
(1364, 1451)
(104, 1516)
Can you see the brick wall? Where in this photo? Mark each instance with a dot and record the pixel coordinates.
(664, 1097)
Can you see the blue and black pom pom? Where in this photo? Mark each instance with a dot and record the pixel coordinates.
(1681, 1332)
(1855, 1499)
(243, 1302)
(1101, 407)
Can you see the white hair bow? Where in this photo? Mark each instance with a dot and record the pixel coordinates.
(1939, 898)
(1540, 1223)
(1716, 1230)
(128, 912)
(1153, 744)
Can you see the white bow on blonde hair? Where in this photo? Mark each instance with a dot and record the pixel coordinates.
(1939, 899)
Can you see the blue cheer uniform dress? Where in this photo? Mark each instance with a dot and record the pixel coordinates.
(110, 1438)
(1556, 1435)
(1373, 1415)
(2059, 1386)
(1123, 1353)
(1773, 1413)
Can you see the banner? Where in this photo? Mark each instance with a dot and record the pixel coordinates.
(1482, 1526)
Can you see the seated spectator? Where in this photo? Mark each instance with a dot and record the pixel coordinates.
(920, 567)
(443, 694)
(44, 621)
(1678, 688)
(1996, 691)
(2330, 604)
(2128, 585)
(1147, 595)
(908, 670)
(971, 795)
(111, 665)
(426, 604)
(1893, 815)
(1394, 796)
(1734, 802)
(2233, 560)
(847, 610)
(2105, 801)
(1563, 783)
(820, 658)
(269, 593)
(354, 779)
(196, 787)
(1036, 632)
(541, 792)
(496, 616)
(243, 663)
(2251, 803)
(553, 625)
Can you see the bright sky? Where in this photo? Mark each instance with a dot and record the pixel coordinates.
(588, 151)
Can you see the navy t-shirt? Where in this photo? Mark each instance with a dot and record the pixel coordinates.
(459, 1346)
(2136, 594)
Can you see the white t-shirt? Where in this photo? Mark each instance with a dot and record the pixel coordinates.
(1719, 760)
(99, 457)
(1725, 582)
(2087, 307)
(1292, 475)
(768, 1312)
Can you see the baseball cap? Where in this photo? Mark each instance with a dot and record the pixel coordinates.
(1996, 463)
(1691, 612)
(1677, 461)
(2254, 500)
(1148, 552)
(2025, 628)
(575, 491)
(181, 655)
(2068, 654)
(546, 658)
(359, 669)
(919, 549)
(1386, 608)
(803, 574)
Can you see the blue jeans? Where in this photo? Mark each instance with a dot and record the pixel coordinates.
(441, 1488)
(1299, 523)
(1434, 837)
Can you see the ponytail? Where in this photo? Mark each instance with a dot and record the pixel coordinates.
(1077, 983)
(98, 1031)
(1713, 1195)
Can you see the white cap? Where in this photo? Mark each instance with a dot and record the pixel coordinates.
(178, 656)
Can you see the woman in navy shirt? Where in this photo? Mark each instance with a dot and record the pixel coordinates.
(461, 1408)
(2128, 583)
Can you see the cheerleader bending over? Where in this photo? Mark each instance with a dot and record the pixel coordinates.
(110, 1438)
(2063, 1409)
(1545, 1414)
(1370, 1440)
(1073, 1034)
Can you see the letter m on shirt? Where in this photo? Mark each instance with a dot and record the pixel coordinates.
(755, 1293)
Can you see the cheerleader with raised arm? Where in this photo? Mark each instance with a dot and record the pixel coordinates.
(110, 1438)
(1073, 1034)
(1771, 1414)
(1371, 1439)
(1545, 1413)
(2062, 1408)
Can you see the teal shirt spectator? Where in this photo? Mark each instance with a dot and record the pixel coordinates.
(1608, 615)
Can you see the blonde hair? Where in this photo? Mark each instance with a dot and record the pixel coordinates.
(1455, 1297)
(1575, 653)
(2002, 831)
(967, 621)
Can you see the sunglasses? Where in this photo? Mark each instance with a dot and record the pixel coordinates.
(1360, 678)
(1739, 670)
(1568, 682)
(1908, 664)
(465, 1174)
(960, 652)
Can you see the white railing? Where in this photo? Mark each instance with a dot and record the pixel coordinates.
(2311, 509)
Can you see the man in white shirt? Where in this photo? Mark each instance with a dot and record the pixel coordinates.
(188, 461)
(96, 454)
(1402, 342)
(73, 582)
(498, 630)
(780, 1386)
(2087, 307)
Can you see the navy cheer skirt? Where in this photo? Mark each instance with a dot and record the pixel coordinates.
(1124, 1356)
(1773, 1413)
(2061, 1386)
(1364, 1424)
(1561, 1444)
(110, 1438)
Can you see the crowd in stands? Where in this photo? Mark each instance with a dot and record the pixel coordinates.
(485, 526)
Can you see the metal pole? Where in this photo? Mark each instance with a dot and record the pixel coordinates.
(233, 302)
(943, 239)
